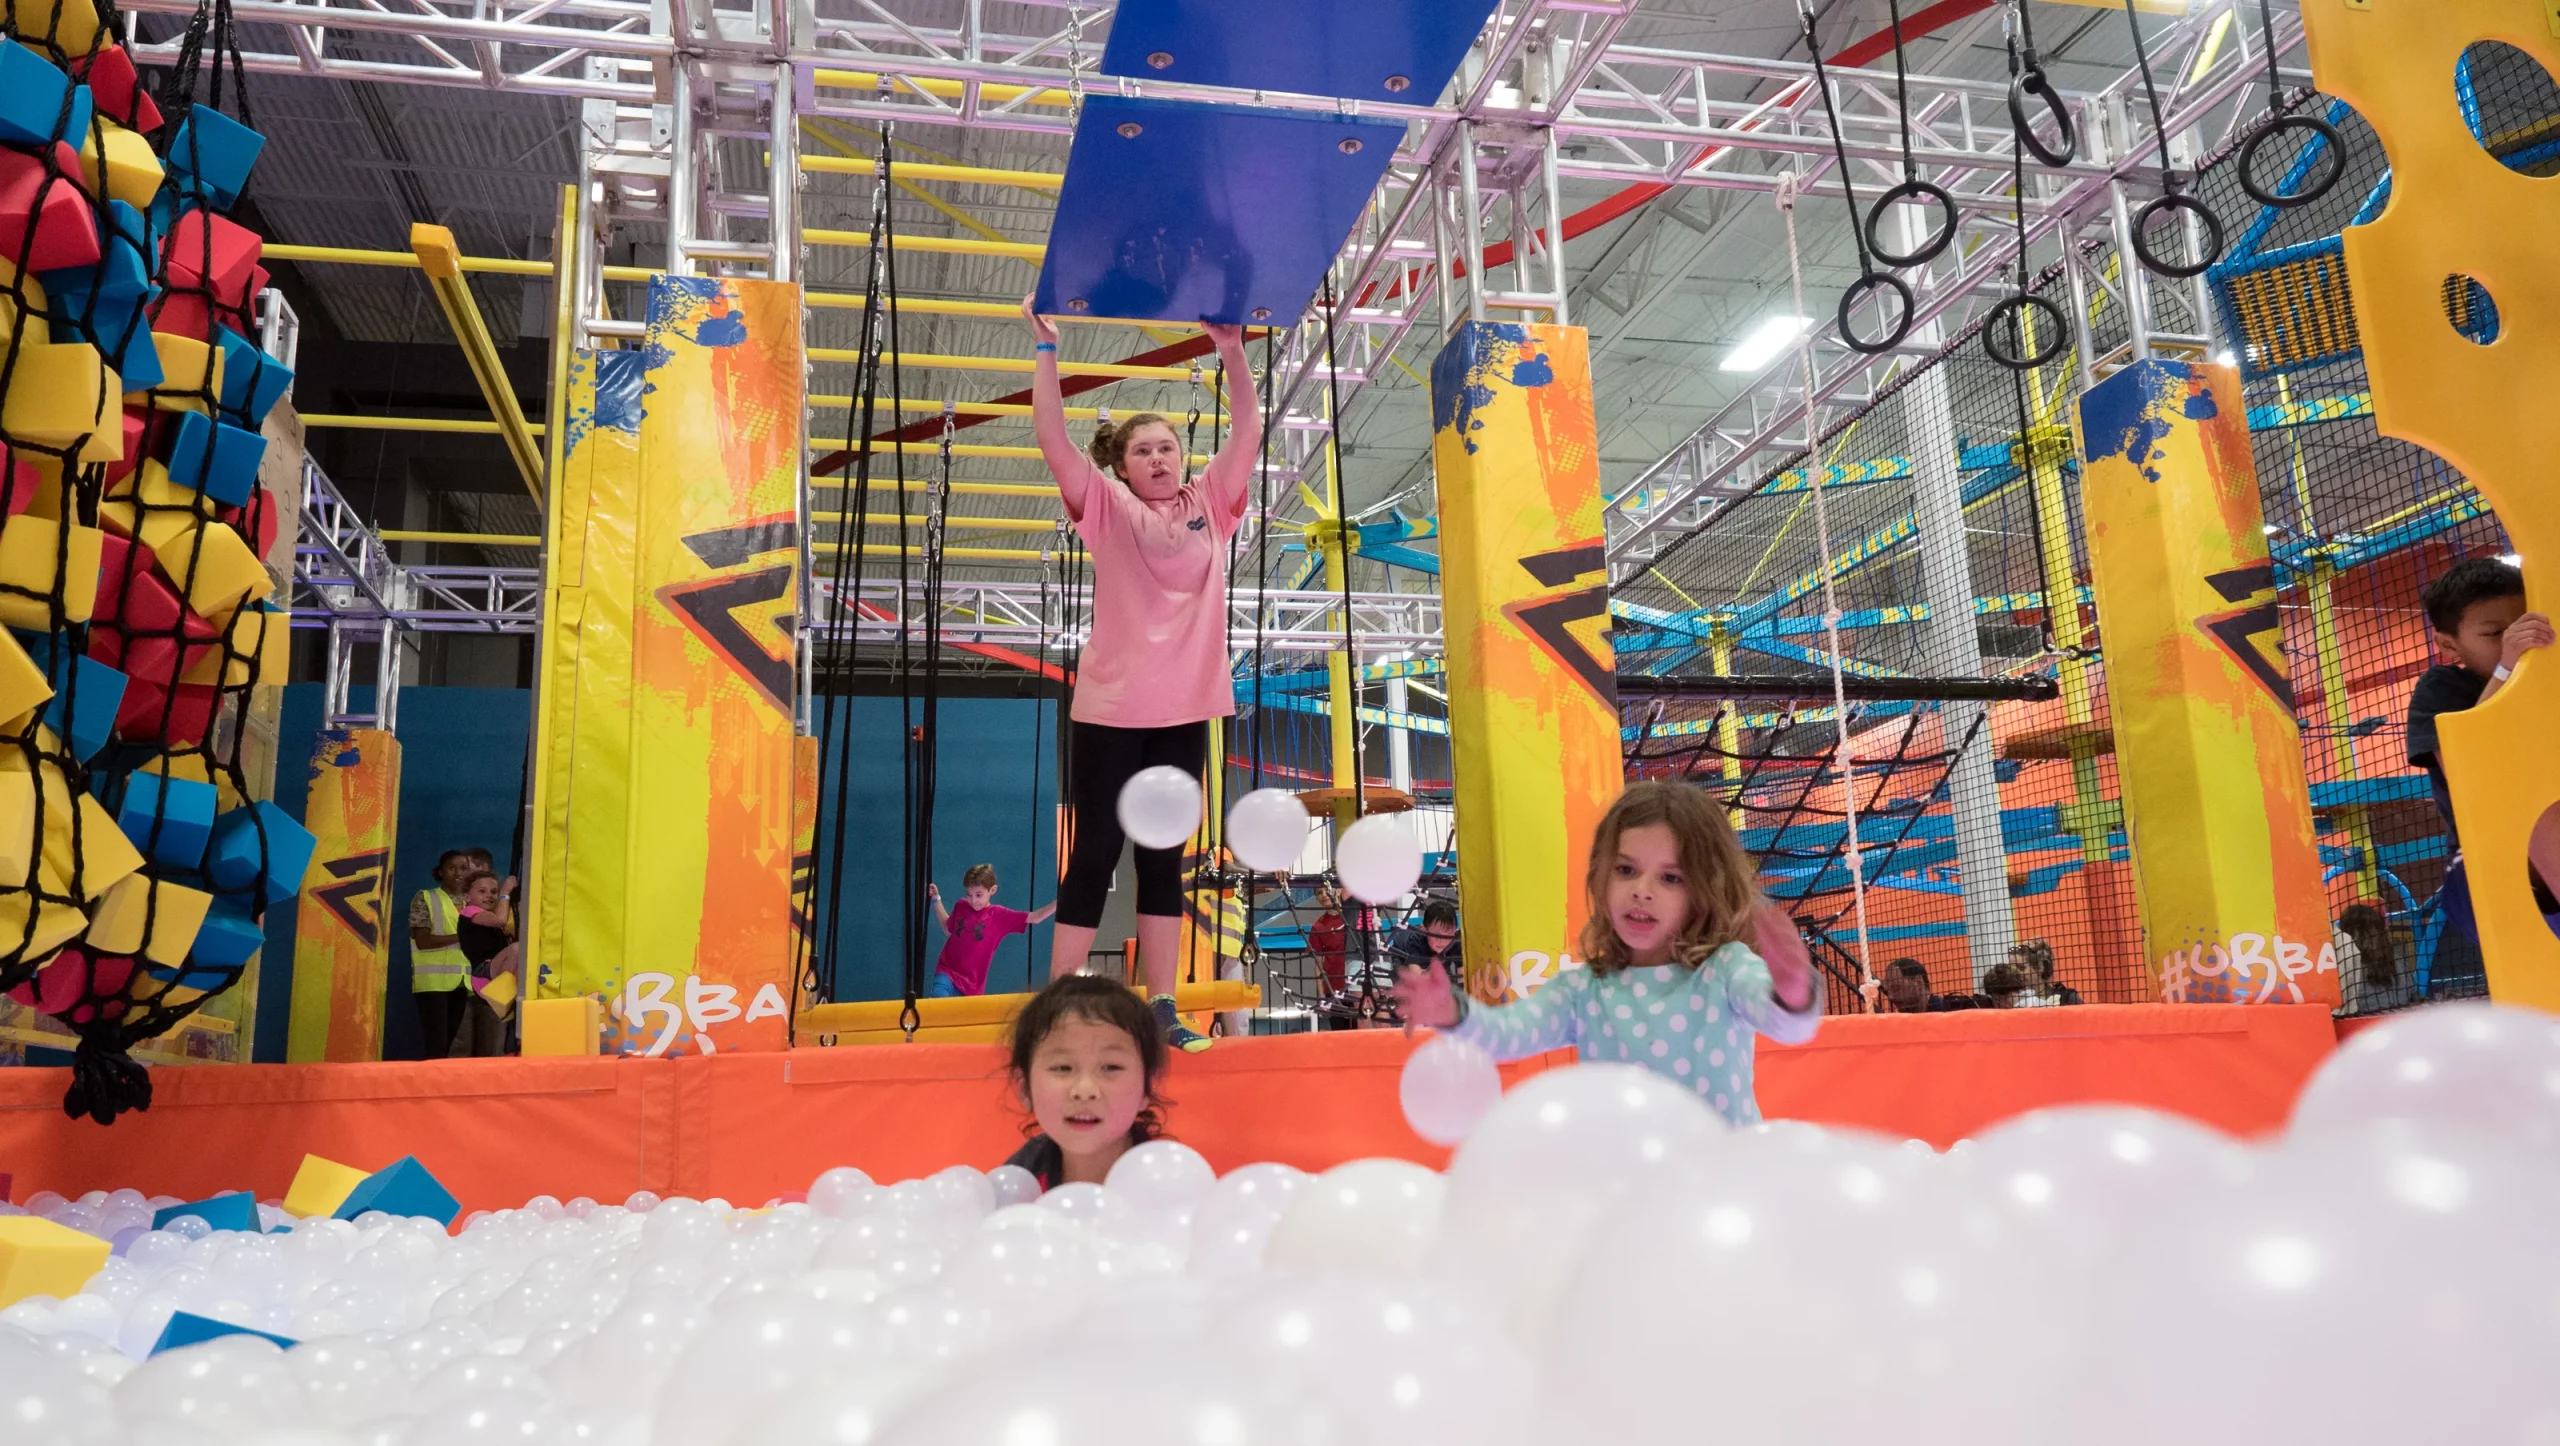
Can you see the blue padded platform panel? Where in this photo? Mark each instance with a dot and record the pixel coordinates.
(1388, 50)
(1176, 211)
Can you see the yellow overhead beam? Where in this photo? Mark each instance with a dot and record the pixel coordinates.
(473, 539)
(952, 245)
(964, 554)
(859, 165)
(357, 423)
(441, 258)
(408, 260)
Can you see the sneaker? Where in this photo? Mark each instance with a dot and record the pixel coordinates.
(1176, 1033)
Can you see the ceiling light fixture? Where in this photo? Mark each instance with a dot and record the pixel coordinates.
(1765, 343)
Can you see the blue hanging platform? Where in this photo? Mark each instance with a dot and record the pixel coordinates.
(1178, 211)
(1384, 50)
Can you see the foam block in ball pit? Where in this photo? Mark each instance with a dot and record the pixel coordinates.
(38, 1257)
(186, 1328)
(235, 1211)
(402, 1188)
(182, 810)
(232, 860)
(321, 1186)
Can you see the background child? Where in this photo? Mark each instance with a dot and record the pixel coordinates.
(1086, 1056)
(2478, 614)
(1672, 982)
(974, 930)
(486, 935)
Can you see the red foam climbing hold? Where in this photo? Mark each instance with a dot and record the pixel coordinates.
(51, 204)
(175, 716)
(117, 90)
(222, 259)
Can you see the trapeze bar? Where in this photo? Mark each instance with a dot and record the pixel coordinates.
(1857, 689)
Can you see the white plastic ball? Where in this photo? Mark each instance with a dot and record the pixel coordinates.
(1160, 807)
(1378, 859)
(1447, 1087)
(1379, 1216)
(1013, 1185)
(2480, 1068)
(1267, 829)
(1162, 1177)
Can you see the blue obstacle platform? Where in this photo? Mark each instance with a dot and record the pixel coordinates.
(1381, 50)
(1177, 211)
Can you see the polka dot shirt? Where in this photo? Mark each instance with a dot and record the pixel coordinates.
(1693, 1025)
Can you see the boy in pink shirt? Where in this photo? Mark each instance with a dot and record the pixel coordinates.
(973, 931)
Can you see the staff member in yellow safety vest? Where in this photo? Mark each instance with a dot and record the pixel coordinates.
(439, 973)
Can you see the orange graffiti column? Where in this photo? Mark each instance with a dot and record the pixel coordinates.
(2216, 803)
(709, 921)
(1533, 713)
(342, 933)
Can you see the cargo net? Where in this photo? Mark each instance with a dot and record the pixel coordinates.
(1979, 741)
(134, 867)
(2358, 525)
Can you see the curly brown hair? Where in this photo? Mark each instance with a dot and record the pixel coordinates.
(1097, 1000)
(1111, 444)
(1723, 892)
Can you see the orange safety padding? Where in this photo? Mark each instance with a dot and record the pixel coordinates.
(750, 1126)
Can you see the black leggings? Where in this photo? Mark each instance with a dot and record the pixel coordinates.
(1102, 760)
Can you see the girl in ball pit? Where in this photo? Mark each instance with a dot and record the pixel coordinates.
(1685, 960)
(1086, 1055)
(1156, 669)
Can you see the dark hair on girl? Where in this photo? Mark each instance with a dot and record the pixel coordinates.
(1096, 1000)
(1721, 879)
(1112, 443)
(2375, 950)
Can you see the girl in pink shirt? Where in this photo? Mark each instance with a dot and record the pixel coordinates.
(1155, 669)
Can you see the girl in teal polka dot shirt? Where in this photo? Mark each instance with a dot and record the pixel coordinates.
(1672, 980)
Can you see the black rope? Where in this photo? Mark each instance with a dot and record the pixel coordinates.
(1911, 187)
(2173, 200)
(917, 779)
(1870, 280)
(2320, 138)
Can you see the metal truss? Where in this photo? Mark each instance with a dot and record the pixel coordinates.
(529, 47)
(1031, 618)
(2070, 210)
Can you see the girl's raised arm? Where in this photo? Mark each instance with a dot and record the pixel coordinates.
(1230, 473)
(1068, 465)
(1550, 1018)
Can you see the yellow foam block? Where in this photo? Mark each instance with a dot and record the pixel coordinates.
(174, 913)
(55, 926)
(50, 494)
(73, 29)
(224, 573)
(321, 1186)
(151, 483)
(38, 1257)
(132, 172)
(106, 855)
(33, 553)
(19, 829)
(30, 328)
(23, 685)
(256, 639)
(60, 393)
(563, 1026)
(184, 364)
(191, 766)
(500, 992)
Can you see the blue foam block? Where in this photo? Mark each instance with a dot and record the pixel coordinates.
(235, 1211)
(252, 381)
(404, 1188)
(215, 458)
(231, 861)
(32, 90)
(1354, 48)
(186, 1328)
(122, 282)
(184, 809)
(137, 364)
(214, 151)
(228, 940)
(99, 692)
(1206, 213)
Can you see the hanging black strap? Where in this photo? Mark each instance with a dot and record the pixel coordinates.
(1870, 281)
(1911, 187)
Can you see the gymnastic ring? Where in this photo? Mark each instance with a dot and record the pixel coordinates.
(2325, 173)
(1859, 290)
(1930, 245)
(2176, 201)
(2033, 82)
(2011, 308)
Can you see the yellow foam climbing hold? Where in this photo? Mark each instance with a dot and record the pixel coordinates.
(173, 913)
(71, 29)
(33, 555)
(36, 332)
(133, 173)
(321, 1186)
(184, 365)
(254, 637)
(55, 926)
(60, 393)
(38, 1257)
(106, 855)
(206, 560)
(23, 685)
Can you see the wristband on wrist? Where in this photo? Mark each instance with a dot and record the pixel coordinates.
(2504, 672)
(1046, 346)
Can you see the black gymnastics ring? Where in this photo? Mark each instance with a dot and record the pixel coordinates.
(1859, 290)
(2325, 172)
(2032, 82)
(2012, 308)
(2173, 202)
(1930, 245)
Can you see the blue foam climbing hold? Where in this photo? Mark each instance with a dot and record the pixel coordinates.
(32, 93)
(252, 381)
(132, 352)
(184, 809)
(227, 940)
(1383, 50)
(121, 280)
(186, 1328)
(83, 708)
(1206, 212)
(235, 1211)
(403, 1188)
(215, 458)
(213, 151)
(232, 863)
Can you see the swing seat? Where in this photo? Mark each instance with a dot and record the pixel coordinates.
(1391, 51)
(1177, 211)
(1321, 802)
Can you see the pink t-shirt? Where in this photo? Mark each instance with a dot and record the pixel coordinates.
(1158, 654)
(975, 933)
